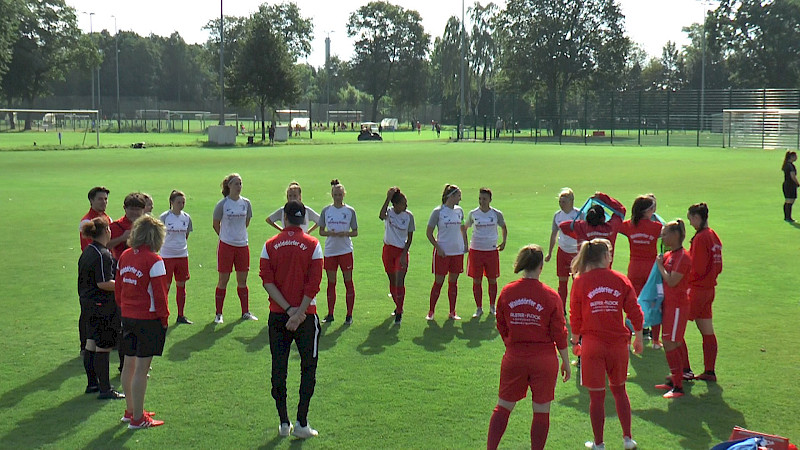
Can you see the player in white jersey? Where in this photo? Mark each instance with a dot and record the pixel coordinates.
(398, 233)
(338, 223)
(449, 247)
(484, 256)
(231, 218)
(567, 246)
(295, 193)
(175, 251)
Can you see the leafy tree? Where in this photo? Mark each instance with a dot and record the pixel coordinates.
(390, 48)
(483, 51)
(446, 67)
(672, 68)
(297, 30)
(10, 11)
(556, 43)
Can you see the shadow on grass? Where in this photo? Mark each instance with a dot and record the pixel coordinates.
(51, 381)
(114, 437)
(328, 337)
(475, 331)
(434, 338)
(257, 342)
(203, 339)
(651, 369)
(279, 441)
(380, 337)
(50, 425)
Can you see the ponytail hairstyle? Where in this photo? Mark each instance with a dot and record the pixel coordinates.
(175, 194)
(92, 229)
(226, 190)
(590, 255)
(449, 189)
(336, 184)
(149, 231)
(398, 196)
(788, 157)
(640, 205)
(487, 191)
(529, 257)
(596, 216)
(700, 209)
(677, 226)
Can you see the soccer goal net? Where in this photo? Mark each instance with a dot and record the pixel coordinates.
(55, 120)
(761, 128)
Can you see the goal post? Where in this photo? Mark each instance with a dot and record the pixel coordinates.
(761, 128)
(65, 114)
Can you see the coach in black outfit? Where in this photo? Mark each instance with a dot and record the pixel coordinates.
(291, 270)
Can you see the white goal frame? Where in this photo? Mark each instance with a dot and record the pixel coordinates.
(89, 112)
(761, 128)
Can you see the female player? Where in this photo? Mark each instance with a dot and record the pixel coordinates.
(642, 232)
(175, 250)
(338, 223)
(96, 292)
(142, 296)
(790, 184)
(399, 229)
(232, 216)
(599, 297)
(294, 193)
(449, 246)
(530, 357)
(674, 267)
(706, 253)
(567, 246)
(484, 256)
(595, 225)
(148, 203)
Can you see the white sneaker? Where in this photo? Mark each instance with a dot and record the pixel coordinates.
(478, 312)
(628, 443)
(218, 318)
(593, 446)
(249, 316)
(492, 311)
(303, 432)
(454, 317)
(429, 316)
(285, 429)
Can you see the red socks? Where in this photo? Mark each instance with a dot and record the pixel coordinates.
(180, 297)
(539, 429)
(244, 298)
(709, 351)
(497, 426)
(655, 333)
(436, 289)
(684, 357)
(350, 296)
(597, 413)
(219, 299)
(623, 405)
(477, 292)
(331, 297)
(493, 294)
(399, 297)
(675, 367)
(452, 294)
(562, 292)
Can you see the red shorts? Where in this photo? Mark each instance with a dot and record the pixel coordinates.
(179, 267)
(599, 358)
(442, 265)
(483, 263)
(391, 259)
(638, 271)
(564, 263)
(538, 370)
(700, 301)
(673, 322)
(229, 257)
(344, 261)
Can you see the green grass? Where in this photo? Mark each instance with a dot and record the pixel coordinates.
(424, 385)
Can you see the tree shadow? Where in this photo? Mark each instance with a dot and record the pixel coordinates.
(51, 382)
(475, 331)
(257, 342)
(59, 421)
(203, 339)
(380, 337)
(328, 337)
(434, 338)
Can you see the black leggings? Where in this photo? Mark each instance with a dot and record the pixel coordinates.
(280, 343)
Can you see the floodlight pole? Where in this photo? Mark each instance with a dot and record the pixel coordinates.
(221, 66)
(328, 79)
(116, 56)
(703, 66)
(461, 88)
(92, 70)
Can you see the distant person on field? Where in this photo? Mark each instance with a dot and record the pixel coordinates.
(567, 245)
(531, 322)
(294, 192)
(399, 227)
(98, 201)
(484, 251)
(291, 272)
(271, 132)
(175, 250)
(790, 184)
(232, 216)
(449, 247)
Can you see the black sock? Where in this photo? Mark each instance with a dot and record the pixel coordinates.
(789, 210)
(785, 211)
(121, 358)
(101, 368)
(88, 365)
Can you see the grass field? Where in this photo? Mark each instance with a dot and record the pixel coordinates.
(424, 384)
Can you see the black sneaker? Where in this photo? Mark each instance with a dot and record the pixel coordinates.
(646, 333)
(91, 389)
(183, 319)
(111, 394)
(398, 318)
(348, 320)
(328, 318)
(688, 375)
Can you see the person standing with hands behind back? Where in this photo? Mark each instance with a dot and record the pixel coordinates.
(291, 271)
(790, 184)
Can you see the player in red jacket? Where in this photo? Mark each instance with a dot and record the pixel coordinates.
(643, 231)
(98, 201)
(599, 297)
(141, 290)
(706, 254)
(595, 225)
(674, 267)
(530, 319)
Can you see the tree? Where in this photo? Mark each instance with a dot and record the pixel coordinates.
(10, 11)
(483, 50)
(297, 30)
(390, 48)
(672, 68)
(262, 72)
(446, 63)
(556, 43)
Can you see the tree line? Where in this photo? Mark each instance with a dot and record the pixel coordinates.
(540, 51)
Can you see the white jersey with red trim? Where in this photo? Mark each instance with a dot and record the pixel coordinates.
(339, 220)
(178, 228)
(448, 222)
(397, 226)
(566, 243)
(484, 235)
(233, 216)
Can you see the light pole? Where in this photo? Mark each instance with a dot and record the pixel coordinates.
(705, 3)
(328, 78)
(116, 56)
(461, 87)
(221, 66)
(90, 37)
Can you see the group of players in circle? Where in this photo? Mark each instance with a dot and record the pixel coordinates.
(531, 317)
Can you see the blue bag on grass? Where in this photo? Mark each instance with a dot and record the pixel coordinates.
(651, 297)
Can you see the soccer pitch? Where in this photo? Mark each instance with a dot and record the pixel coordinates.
(420, 385)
